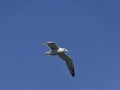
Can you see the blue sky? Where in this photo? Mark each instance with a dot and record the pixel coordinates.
(88, 28)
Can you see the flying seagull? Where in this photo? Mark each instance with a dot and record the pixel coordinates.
(60, 52)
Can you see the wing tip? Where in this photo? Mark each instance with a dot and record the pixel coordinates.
(50, 42)
(73, 74)
(45, 42)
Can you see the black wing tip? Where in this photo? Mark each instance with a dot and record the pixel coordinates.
(73, 74)
(45, 42)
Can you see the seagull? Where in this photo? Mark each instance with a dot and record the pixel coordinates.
(60, 52)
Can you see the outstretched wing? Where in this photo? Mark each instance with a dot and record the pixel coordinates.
(52, 45)
(69, 63)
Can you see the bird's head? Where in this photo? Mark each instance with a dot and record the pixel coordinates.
(66, 50)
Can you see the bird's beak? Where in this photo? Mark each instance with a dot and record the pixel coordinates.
(66, 50)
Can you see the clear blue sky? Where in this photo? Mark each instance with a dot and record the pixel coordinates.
(90, 29)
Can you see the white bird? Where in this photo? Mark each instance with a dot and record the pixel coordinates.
(55, 50)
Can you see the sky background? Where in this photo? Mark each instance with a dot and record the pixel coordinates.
(90, 29)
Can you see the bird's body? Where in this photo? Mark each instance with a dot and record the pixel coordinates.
(55, 50)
